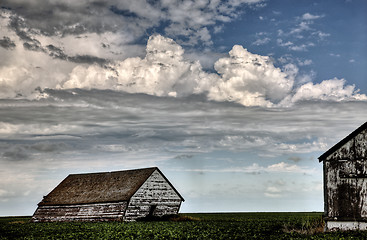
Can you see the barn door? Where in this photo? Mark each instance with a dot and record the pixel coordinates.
(352, 189)
(348, 198)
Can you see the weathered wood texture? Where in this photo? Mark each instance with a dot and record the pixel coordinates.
(345, 181)
(354, 149)
(85, 212)
(155, 194)
(123, 195)
(346, 191)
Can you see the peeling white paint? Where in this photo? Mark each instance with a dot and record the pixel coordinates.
(156, 191)
(345, 184)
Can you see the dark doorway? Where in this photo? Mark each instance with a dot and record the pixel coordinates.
(151, 210)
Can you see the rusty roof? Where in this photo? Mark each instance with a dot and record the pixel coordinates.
(342, 142)
(98, 187)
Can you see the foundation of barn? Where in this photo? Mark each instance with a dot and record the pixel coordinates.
(345, 225)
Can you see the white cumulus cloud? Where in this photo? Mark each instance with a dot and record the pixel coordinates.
(328, 90)
(163, 72)
(250, 79)
(241, 77)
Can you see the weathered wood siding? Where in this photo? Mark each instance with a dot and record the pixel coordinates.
(346, 189)
(155, 191)
(87, 212)
(354, 149)
(345, 181)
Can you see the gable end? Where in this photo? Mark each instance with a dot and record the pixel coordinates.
(174, 189)
(344, 143)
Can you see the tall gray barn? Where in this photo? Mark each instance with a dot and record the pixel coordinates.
(110, 196)
(345, 182)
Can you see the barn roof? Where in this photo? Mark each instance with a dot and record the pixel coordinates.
(342, 142)
(99, 187)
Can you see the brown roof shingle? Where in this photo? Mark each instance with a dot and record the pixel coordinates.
(97, 187)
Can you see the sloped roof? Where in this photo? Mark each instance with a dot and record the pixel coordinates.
(98, 187)
(342, 142)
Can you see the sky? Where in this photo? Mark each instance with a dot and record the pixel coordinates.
(233, 100)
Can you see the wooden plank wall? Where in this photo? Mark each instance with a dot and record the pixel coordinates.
(156, 191)
(346, 181)
(87, 212)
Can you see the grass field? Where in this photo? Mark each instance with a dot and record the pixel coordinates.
(186, 226)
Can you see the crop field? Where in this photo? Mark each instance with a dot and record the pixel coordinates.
(183, 226)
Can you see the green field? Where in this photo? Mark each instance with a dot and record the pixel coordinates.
(185, 226)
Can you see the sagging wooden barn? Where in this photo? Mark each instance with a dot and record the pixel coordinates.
(345, 182)
(110, 196)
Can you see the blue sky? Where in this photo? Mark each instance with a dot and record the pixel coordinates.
(333, 37)
(233, 100)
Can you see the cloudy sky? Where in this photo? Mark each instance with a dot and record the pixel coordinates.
(233, 100)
